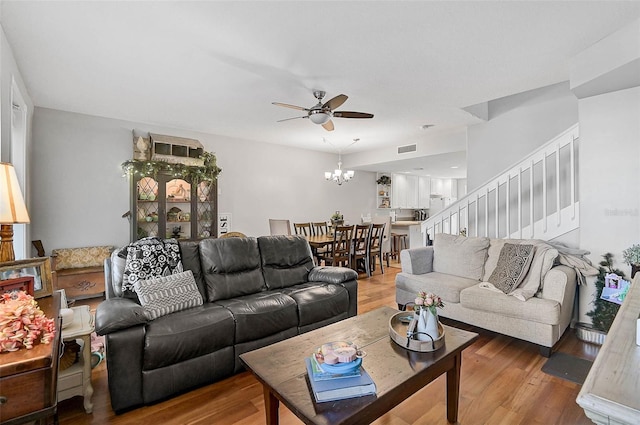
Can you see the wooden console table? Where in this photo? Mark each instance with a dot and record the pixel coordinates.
(28, 378)
(609, 395)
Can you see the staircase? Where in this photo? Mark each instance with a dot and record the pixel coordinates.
(535, 199)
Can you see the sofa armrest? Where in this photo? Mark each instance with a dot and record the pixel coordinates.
(417, 260)
(559, 284)
(331, 274)
(115, 314)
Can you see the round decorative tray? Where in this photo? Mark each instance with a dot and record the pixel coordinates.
(398, 332)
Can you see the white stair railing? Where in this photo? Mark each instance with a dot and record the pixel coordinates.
(536, 198)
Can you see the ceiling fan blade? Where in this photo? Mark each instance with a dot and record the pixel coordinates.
(349, 114)
(294, 118)
(328, 125)
(286, 105)
(336, 102)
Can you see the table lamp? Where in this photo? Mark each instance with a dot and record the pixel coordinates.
(12, 210)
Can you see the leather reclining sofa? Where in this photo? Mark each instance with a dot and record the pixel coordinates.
(255, 292)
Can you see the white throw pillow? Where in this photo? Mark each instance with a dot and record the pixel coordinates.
(460, 255)
(167, 294)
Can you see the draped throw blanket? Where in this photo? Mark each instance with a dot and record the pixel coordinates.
(150, 258)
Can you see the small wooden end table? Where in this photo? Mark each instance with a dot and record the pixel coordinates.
(76, 380)
(397, 372)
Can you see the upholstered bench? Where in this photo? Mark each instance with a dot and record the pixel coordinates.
(80, 271)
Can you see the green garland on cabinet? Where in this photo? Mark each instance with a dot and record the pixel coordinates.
(604, 311)
(207, 172)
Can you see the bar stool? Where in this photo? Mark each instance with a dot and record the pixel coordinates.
(398, 243)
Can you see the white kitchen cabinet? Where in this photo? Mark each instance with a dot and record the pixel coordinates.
(444, 188)
(398, 191)
(424, 192)
(412, 191)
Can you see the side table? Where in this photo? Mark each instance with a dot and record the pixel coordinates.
(76, 380)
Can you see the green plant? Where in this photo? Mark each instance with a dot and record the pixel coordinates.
(604, 311)
(207, 172)
(631, 255)
(384, 179)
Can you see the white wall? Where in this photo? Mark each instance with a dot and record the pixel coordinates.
(80, 194)
(517, 125)
(9, 76)
(609, 179)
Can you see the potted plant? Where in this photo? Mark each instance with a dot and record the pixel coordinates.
(337, 219)
(604, 311)
(384, 180)
(631, 256)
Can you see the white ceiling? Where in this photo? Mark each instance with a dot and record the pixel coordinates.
(216, 66)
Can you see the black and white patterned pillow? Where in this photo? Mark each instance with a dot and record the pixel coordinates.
(149, 258)
(164, 295)
(513, 265)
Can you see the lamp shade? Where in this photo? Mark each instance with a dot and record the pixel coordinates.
(12, 207)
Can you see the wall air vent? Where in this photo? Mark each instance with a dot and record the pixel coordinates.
(407, 148)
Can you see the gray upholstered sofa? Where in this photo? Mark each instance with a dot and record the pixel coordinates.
(457, 269)
(255, 291)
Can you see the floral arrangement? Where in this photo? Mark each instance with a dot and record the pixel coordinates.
(429, 301)
(22, 322)
(631, 255)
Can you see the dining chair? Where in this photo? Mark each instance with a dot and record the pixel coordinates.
(341, 247)
(359, 258)
(320, 228)
(302, 229)
(374, 247)
(279, 227)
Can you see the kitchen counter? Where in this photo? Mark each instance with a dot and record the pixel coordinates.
(405, 223)
(414, 229)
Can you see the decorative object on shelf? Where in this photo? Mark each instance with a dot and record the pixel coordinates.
(427, 325)
(604, 311)
(22, 323)
(384, 180)
(631, 256)
(177, 150)
(178, 190)
(12, 210)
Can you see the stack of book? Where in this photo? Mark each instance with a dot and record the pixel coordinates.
(328, 386)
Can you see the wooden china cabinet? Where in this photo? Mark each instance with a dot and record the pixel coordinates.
(168, 206)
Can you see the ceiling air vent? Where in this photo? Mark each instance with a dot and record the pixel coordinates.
(407, 148)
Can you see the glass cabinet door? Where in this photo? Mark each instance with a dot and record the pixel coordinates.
(169, 207)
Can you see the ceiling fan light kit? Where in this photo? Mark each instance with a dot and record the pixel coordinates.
(321, 114)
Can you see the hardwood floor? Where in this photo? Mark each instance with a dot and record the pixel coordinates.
(501, 383)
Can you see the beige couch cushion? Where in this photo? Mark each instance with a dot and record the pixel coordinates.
(460, 255)
(534, 309)
(446, 286)
(542, 261)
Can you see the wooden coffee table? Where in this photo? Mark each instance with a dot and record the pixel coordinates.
(397, 372)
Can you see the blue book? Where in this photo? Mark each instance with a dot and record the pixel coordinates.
(338, 389)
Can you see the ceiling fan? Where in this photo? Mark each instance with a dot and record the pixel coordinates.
(322, 113)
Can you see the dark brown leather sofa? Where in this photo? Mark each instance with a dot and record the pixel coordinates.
(255, 291)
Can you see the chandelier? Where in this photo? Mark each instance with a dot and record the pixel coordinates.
(338, 175)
